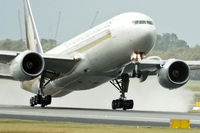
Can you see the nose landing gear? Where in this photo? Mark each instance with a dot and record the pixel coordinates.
(122, 85)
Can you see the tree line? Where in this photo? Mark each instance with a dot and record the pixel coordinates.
(19, 45)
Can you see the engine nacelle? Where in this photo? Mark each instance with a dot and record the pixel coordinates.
(27, 65)
(174, 74)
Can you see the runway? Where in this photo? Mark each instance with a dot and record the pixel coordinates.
(136, 118)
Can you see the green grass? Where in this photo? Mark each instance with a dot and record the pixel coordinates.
(27, 126)
(194, 111)
(193, 85)
(197, 95)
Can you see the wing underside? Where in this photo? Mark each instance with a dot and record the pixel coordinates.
(52, 63)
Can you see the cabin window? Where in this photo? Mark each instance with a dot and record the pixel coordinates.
(143, 22)
(150, 22)
(136, 22)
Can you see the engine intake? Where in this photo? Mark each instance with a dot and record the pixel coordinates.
(27, 65)
(174, 74)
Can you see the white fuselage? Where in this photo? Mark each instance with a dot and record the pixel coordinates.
(104, 51)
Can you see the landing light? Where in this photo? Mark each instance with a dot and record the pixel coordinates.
(136, 56)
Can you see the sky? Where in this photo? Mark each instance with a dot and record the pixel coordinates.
(171, 16)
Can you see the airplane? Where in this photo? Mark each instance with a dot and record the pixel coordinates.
(113, 51)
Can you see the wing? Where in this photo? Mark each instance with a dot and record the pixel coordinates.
(151, 66)
(59, 64)
(52, 63)
(194, 65)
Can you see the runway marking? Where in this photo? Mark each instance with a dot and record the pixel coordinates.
(96, 116)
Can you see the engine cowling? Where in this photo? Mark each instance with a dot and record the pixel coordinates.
(174, 74)
(27, 65)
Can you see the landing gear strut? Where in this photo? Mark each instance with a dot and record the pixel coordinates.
(122, 85)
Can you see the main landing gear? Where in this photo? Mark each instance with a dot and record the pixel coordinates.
(40, 98)
(122, 85)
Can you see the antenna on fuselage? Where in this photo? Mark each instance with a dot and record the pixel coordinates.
(94, 19)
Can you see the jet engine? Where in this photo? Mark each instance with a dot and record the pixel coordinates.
(174, 74)
(27, 65)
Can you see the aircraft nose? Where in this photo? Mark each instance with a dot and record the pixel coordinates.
(144, 38)
(149, 38)
(150, 34)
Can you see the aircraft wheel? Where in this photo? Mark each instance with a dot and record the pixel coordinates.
(122, 104)
(48, 100)
(117, 104)
(128, 104)
(32, 102)
(43, 105)
(114, 104)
